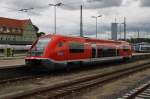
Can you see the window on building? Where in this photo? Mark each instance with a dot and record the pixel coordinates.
(7, 30)
(14, 38)
(13, 31)
(4, 29)
(1, 29)
(16, 30)
(10, 29)
(19, 31)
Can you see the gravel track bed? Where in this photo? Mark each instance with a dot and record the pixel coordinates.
(113, 90)
(19, 87)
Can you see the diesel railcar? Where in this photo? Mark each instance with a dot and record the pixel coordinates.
(54, 51)
(142, 47)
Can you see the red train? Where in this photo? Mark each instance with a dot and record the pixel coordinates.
(54, 51)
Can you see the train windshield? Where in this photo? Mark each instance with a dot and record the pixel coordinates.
(41, 44)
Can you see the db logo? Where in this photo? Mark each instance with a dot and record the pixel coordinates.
(61, 53)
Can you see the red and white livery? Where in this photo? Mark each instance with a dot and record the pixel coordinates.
(53, 51)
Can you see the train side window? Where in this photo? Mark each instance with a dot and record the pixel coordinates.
(118, 52)
(60, 44)
(93, 52)
(76, 47)
(125, 49)
(106, 52)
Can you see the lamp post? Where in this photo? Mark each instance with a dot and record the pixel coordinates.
(96, 17)
(120, 29)
(81, 22)
(55, 5)
(124, 23)
(25, 9)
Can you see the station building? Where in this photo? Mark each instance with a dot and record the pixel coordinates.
(17, 32)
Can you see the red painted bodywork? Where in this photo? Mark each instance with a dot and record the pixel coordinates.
(54, 52)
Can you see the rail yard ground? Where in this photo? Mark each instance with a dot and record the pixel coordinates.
(22, 85)
(115, 89)
(14, 89)
(18, 61)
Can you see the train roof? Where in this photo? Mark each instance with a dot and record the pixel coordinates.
(92, 40)
(142, 43)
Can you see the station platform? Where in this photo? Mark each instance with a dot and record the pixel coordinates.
(13, 62)
(137, 54)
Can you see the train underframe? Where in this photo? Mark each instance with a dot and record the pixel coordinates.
(52, 65)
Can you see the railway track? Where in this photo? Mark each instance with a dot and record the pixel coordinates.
(22, 73)
(22, 78)
(141, 92)
(66, 87)
(18, 74)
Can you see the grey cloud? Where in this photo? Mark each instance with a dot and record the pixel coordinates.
(68, 4)
(112, 9)
(145, 3)
(39, 5)
(91, 4)
(105, 3)
(144, 27)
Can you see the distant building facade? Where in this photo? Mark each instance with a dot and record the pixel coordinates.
(114, 29)
(13, 31)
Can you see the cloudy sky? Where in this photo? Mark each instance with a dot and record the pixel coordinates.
(137, 13)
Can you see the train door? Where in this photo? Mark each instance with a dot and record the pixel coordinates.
(94, 51)
(117, 51)
(60, 50)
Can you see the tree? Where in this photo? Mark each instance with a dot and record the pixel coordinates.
(36, 28)
(39, 34)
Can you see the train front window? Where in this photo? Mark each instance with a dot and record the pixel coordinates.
(37, 50)
(42, 43)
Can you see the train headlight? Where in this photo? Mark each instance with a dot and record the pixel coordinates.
(35, 53)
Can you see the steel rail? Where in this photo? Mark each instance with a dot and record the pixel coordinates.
(2, 81)
(62, 89)
(141, 92)
(22, 78)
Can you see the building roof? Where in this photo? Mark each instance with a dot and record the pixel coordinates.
(13, 22)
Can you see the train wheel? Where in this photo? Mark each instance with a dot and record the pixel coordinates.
(69, 65)
(74, 65)
(127, 59)
(81, 63)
